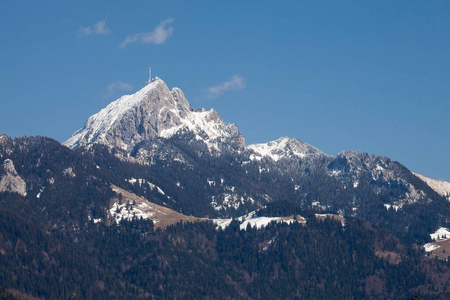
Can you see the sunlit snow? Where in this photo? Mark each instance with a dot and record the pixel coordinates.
(440, 234)
(283, 148)
(430, 247)
(439, 186)
(262, 222)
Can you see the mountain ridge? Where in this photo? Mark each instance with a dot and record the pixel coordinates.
(155, 112)
(202, 154)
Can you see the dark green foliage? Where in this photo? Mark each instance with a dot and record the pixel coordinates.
(50, 248)
(189, 261)
(296, 184)
(280, 208)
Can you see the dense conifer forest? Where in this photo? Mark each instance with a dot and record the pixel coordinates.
(132, 260)
(51, 248)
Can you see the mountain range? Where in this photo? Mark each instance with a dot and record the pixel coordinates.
(157, 125)
(151, 158)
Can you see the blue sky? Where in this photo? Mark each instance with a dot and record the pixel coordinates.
(372, 76)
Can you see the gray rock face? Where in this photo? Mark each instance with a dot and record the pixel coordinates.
(3, 138)
(151, 113)
(11, 181)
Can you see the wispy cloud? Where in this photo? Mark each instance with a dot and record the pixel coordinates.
(157, 36)
(118, 86)
(235, 83)
(98, 28)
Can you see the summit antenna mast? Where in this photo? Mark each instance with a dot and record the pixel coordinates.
(149, 75)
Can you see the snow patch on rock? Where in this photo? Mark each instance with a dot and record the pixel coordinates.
(69, 172)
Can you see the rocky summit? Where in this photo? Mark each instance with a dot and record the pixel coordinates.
(151, 113)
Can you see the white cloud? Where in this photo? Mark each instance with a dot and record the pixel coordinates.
(98, 28)
(235, 83)
(157, 36)
(85, 31)
(119, 86)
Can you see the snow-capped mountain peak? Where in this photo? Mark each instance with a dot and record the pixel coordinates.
(154, 112)
(98, 126)
(283, 147)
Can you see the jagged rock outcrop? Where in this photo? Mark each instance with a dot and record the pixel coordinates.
(11, 181)
(151, 113)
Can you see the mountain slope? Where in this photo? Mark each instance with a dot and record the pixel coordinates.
(440, 186)
(127, 206)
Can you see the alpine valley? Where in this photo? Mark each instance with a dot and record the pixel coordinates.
(155, 199)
